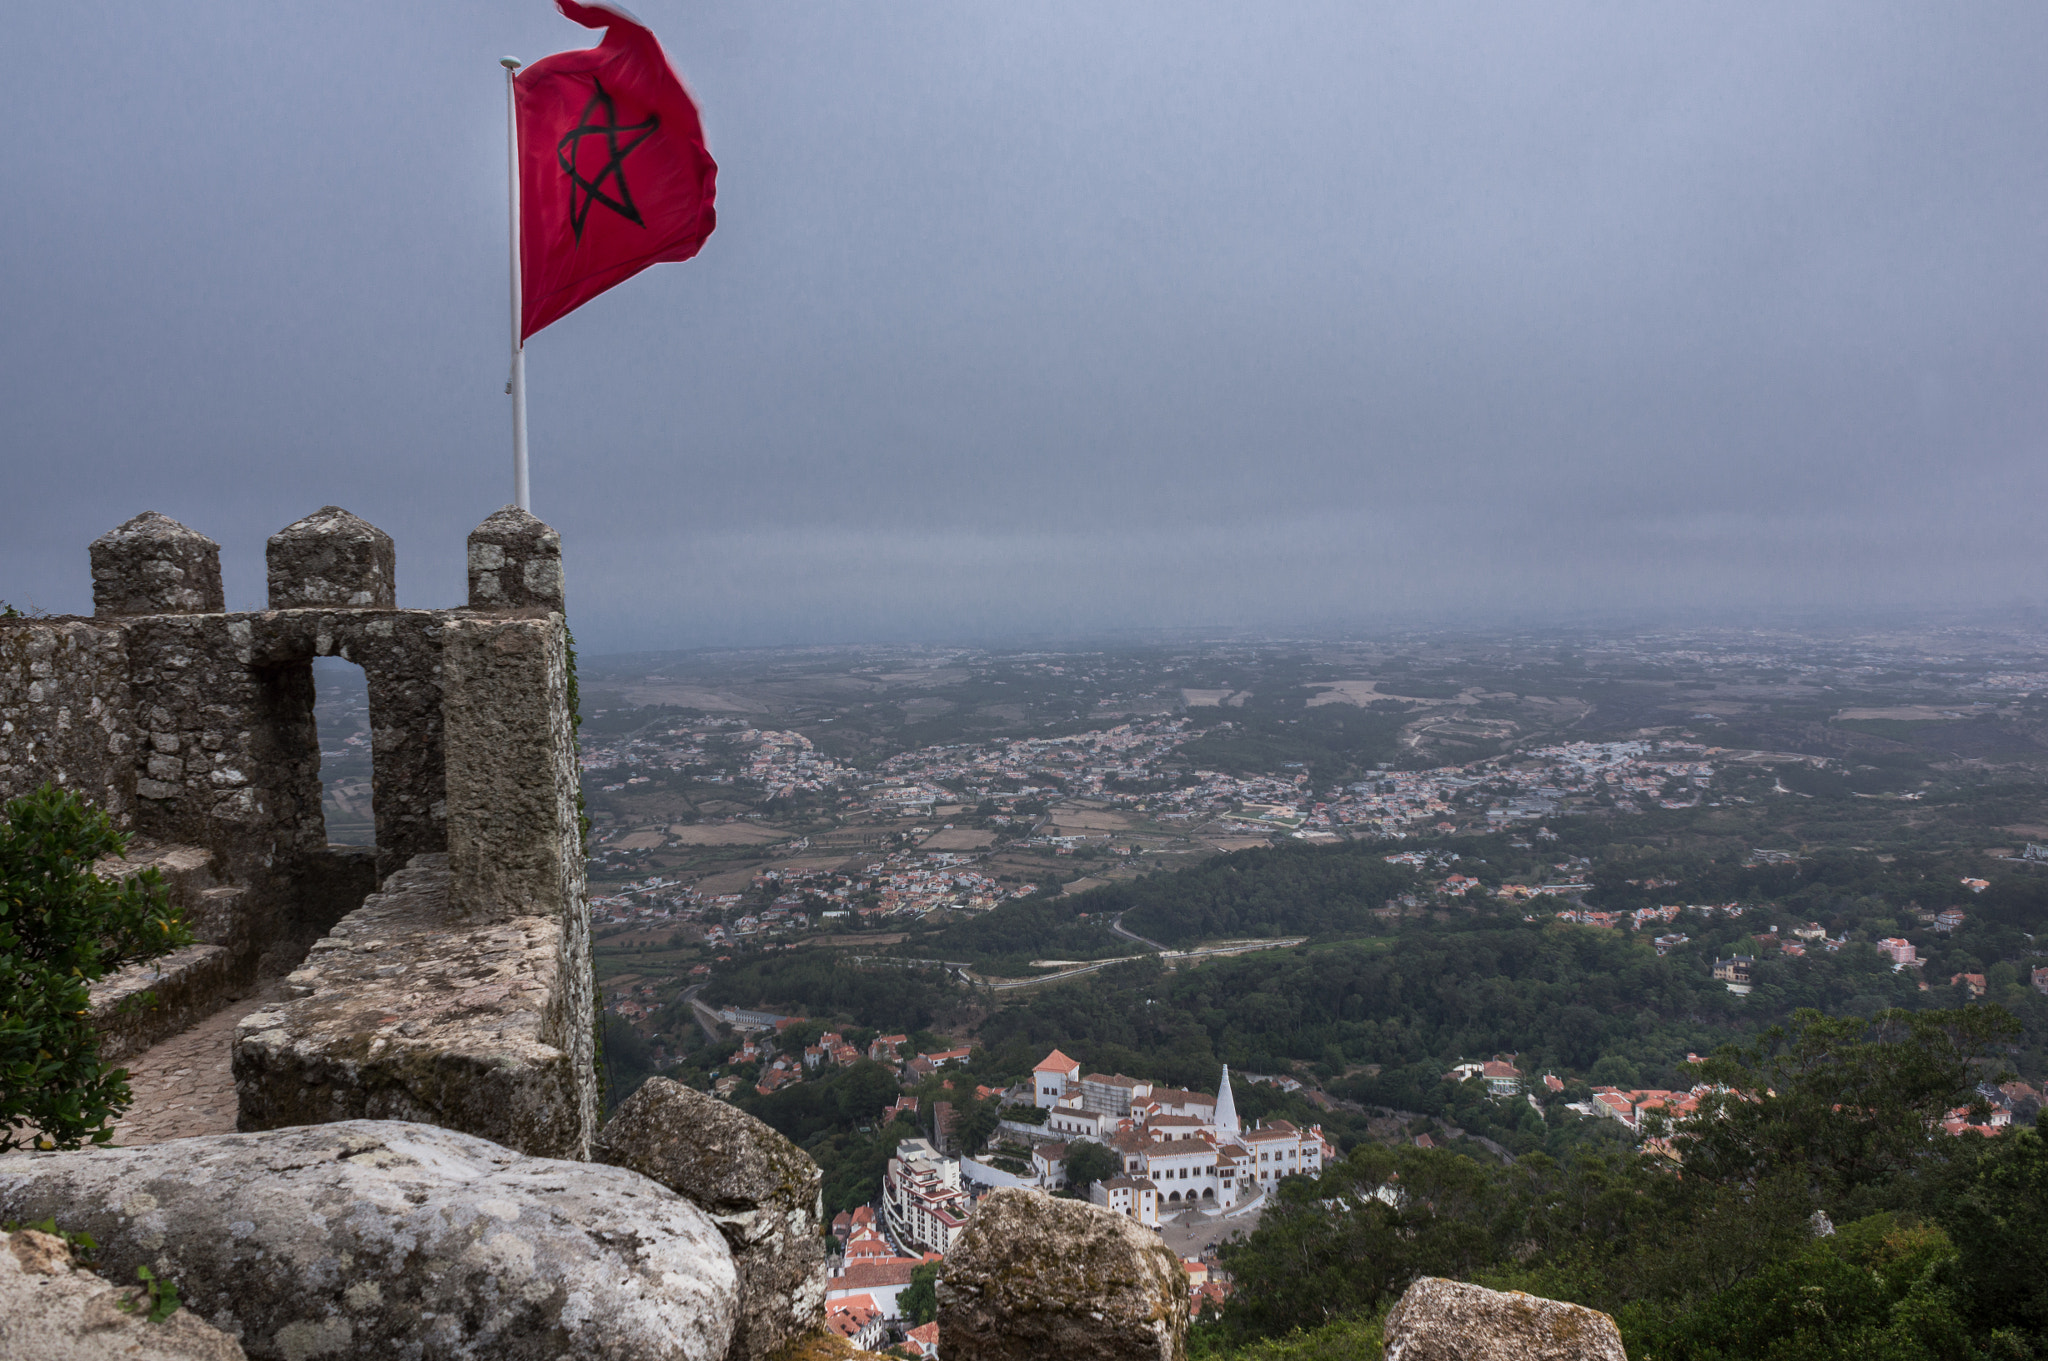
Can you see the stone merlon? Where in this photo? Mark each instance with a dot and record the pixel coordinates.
(332, 558)
(515, 562)
(154, 565)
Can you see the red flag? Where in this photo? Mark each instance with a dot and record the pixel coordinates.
(613, 174)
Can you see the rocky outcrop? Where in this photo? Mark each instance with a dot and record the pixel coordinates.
(1439, 1320)
(54, 1310)
(1032, 1277)
(764, 1193)
(409, 1011)
(398, 1242)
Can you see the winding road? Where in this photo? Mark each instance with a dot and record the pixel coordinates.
(1116, 924)
(706, 1017)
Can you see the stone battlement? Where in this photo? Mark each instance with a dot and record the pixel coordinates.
(193, 727)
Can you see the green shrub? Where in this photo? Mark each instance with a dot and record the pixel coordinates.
(62, 928)
(1344, 1339)
(919, 1303)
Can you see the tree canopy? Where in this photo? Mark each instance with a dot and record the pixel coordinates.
(1820, 1211)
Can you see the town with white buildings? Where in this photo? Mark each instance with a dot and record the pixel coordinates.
(1181, 1151)
(895, 884)
(1016, 775)
(1180, 1156)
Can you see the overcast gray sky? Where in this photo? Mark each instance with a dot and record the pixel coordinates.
(1063, 316)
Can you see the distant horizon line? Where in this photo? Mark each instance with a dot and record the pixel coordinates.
(1829, 623)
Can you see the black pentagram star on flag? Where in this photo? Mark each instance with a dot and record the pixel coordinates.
(613, 173)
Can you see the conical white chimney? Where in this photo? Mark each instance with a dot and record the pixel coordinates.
(1226, 1105)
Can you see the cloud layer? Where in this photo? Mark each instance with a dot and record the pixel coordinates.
(1065, 316)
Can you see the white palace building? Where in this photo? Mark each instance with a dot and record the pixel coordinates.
(1181, 1150)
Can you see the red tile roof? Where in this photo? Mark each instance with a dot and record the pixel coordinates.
(868, 1275)
(848, 1316)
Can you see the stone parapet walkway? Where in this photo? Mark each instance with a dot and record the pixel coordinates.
(184, 1085)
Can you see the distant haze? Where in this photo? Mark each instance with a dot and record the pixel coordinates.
(1063, 317)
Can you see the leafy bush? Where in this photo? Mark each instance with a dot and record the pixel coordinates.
(62, 928)
(919, 1303)
(1344, 1339)
(1878, 1288)
(1089, 1162)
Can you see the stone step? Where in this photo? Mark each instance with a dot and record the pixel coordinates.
(215, 910)
(187, 870)
(217, 917)
(186, 985)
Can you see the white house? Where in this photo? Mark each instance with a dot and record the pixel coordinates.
(1049, 1161)
(1282, 1150)
(1134, 1197)
(881, 1282)
(1055, 1076)
(1183, 1170)
(1076, 1123)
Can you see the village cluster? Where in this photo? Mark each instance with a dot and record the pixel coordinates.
(904, 883)
(1176, 1155)
(720, 751)
(1531, 788)
(1112, 764)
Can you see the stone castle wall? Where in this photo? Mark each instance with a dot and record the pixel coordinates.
(66, 711)
(193, 726)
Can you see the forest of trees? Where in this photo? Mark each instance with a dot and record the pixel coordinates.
(1819, 1213)
(821, 983)
(1378, 1019)
(1376, 1005)
(1289, 890)
(837, 1120)
(1005, 939)
(1563, 996)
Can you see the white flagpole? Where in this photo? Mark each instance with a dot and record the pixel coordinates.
(517, 385)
